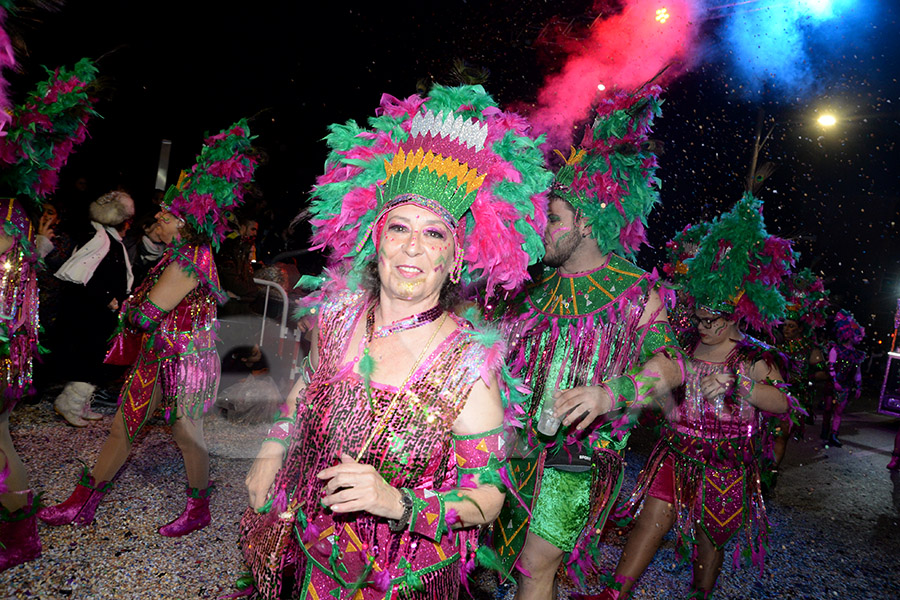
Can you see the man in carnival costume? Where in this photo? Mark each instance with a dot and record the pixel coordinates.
(589, 338)
(391, 451)
(38, 137)
(703, 475)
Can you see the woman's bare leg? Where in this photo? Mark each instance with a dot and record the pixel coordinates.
(652, 524)
(17, 480)
(117, 446)
(708, 564)
(188, 434)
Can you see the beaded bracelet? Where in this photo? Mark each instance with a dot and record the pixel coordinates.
(745, 385)
(399, 525)
(147, 315)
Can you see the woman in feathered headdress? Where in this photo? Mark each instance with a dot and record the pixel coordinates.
(373, 481)
(167, 334)
(37, 139)
(703, 475)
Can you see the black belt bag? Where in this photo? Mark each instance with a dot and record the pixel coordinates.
(573, 458)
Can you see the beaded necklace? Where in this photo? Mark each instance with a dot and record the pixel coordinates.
(417, 320)
(382, 422)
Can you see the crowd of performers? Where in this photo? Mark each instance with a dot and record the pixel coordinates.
(456, 410)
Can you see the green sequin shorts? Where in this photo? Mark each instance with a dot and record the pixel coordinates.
(562, 507)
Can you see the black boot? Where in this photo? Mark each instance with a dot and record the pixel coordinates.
(833, 441)
(826, 426)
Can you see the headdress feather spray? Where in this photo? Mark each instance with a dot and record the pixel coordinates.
(215, 186)
(807, 299)
(45, 129)
(846, 328)
(739, 267)
(611, 178)
(455, 153)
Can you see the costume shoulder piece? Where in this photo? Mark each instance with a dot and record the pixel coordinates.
(753, 350)
(197, 260)
(585, 294)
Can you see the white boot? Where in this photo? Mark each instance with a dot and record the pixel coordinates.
(69, 405)
(86, 391)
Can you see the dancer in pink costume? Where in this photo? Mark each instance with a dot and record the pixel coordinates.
(844, 362)
(37, 139)
(19, 541)
(167, 334)
(703, 475)
(375, 480)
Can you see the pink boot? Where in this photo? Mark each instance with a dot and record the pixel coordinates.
(80, 506)
(195, 515)
(895, 462)
(19, 541)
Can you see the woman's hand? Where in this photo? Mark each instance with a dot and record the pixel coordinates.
(353, 486)
(582, 404)
(717, 384)
(262, 474)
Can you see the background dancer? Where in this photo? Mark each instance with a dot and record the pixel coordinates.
(168, 331)
(703, 474)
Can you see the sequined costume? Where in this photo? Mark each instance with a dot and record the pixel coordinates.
(844, 363)
(176, 349)
(707, 460)
(564, 332)
(801, 371)
(19, 305)
(356, 555)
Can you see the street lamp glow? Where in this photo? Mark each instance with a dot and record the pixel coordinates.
(827, 120)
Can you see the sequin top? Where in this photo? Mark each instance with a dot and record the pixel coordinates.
(183, 345)
(414, 450)
(725, 416)
(847, 362)
(580, 330)
(19, 306)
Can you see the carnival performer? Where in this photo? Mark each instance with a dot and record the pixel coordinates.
(373, 483)
(703, 475)
(168, 334)
(19, 541)
(38, 136)
(587, 339)
(805, 312)
(844, 366)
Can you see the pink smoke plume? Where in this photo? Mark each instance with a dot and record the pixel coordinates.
(622, 50)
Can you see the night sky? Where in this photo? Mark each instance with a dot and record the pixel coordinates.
(178, 70)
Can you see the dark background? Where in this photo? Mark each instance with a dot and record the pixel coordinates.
(179, 70)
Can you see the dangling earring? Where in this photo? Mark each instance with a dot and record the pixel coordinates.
(456, 272)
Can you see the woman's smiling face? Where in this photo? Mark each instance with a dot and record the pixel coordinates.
(415, 253)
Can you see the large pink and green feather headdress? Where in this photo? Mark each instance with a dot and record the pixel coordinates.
(205, 196)
(44, 130)
(807, 299)
(740, 268)
(847, 329)
(680, 248)
(455, 153)
(611, 178)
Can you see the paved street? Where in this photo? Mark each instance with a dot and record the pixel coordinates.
(835, 516)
